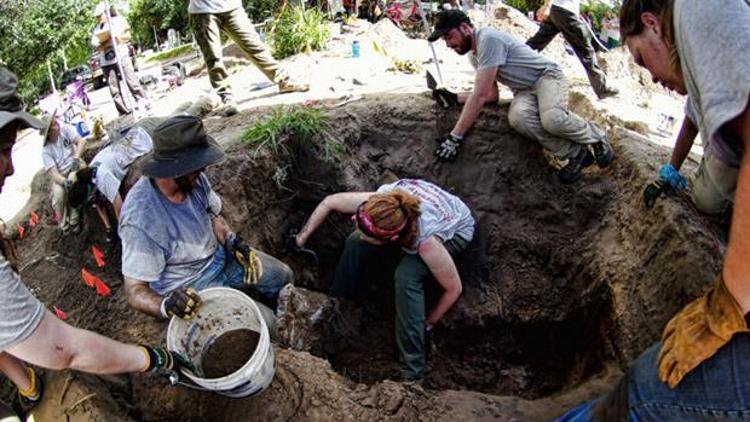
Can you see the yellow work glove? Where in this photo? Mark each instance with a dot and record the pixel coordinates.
(698, 331)
(246, 257)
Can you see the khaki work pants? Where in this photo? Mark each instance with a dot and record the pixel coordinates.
(240, 29)
(68, 217)
(542, 114)
(575, 32)
(713, 185)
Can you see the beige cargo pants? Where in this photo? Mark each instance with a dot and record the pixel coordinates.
(542, 114)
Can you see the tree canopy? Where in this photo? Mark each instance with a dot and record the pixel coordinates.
(34, 31)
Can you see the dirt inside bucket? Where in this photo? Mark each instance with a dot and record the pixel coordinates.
(229, 352)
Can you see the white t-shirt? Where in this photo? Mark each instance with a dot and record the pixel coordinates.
(442, 214)
(212, 6)
(61, 154)
(165, 244)
(113, 161)
(572, 5)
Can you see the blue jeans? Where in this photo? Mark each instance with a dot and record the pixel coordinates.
(229, 273)
(717, 390)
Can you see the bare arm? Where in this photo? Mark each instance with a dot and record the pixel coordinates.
(439, 261)
(142, 298)
(117, 206)
(55, 175)
(485, 90)
(344, 202)
(684, 142)
(57, 345)
(221, 228)
(736, 269)
(80, 146)
(543, 12)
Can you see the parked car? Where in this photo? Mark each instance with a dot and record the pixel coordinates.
(96, 70)
(76, 73)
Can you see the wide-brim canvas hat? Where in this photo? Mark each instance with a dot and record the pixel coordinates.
(11, 105)
(447, 20)
(48, 125)
(181, 146)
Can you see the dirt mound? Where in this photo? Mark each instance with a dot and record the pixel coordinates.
(559, 282)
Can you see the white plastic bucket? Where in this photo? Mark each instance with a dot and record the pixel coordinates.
(224, 310)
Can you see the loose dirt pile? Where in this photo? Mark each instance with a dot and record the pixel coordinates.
(229, 352)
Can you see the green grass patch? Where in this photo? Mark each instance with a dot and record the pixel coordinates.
(308, 124)
(170, 54)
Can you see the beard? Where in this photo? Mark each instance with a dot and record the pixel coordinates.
(465, 46)
(186, 184)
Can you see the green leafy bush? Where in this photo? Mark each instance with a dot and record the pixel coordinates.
(297, 30)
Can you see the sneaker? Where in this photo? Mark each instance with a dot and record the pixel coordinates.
(25, 404)
(229, 107)
(603, 153)
(572, 171)
(608, 91)
(287, 85)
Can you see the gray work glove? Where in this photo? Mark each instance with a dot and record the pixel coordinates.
(448, 148)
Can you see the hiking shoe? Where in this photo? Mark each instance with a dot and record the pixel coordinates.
(603, 153)
(288, 85)
(608, 91)
(572, 171)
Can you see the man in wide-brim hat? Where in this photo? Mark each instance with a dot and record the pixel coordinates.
(28, 331)
(175, 243)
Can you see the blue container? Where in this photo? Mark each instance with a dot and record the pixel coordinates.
(82, 129)
(355, 49)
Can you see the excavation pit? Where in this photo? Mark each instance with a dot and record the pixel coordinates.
(559, 283)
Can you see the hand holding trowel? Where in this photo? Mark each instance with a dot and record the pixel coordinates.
(442, 96)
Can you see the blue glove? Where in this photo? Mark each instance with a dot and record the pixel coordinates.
(669, 174)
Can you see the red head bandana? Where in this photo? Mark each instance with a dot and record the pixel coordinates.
(365, 224)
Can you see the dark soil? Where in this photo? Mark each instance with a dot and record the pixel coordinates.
(229, 352)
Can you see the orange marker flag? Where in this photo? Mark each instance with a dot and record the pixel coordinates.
(21, 231)
(98, 256)
(59, 313)
(88, 278)
(34, 219)
(101, 288)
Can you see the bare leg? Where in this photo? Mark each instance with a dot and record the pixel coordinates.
(15, 370)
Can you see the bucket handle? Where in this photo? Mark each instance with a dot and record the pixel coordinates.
(174, 379)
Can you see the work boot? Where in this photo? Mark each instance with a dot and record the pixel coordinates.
(603, 153)
(572, 171)
(229, 105)
(608, 91)
(287, 85)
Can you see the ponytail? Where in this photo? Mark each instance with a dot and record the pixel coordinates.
(389, 210)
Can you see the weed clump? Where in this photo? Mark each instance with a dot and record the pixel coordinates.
(297, 30)
(305, 123)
